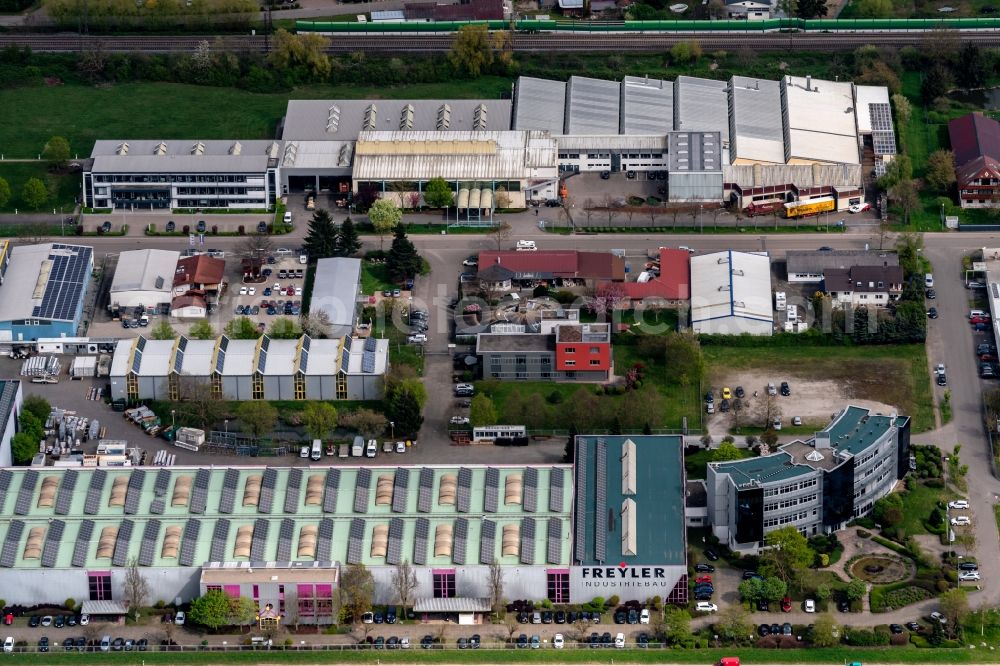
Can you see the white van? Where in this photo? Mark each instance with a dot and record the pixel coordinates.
(372, 448)
(976, 313)
(358, 447)
(526, 246)
(317, 450)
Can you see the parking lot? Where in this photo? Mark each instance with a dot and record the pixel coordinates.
(588, 189)
(278, 294)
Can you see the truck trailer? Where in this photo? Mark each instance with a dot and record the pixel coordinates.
(798, 209)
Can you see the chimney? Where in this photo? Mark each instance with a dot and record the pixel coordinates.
(809, 79)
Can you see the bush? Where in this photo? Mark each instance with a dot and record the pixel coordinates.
(613, 601)
(69, 604)
(866, 637)
(241, 230)
(864, 534)
(554, 398)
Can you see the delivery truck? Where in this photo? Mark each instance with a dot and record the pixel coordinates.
(798, 209)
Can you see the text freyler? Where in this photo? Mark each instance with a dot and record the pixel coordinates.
(623, 576)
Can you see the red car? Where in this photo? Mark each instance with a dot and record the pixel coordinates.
(786, 605)
(984, 319)
(703, 579)
(8, 619)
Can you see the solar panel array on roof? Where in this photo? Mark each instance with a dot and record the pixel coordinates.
(6, 476)
(883, 136)
(82, 544)
(884, 143)
(325, 534)
(400, 487)
(492, 488)
(354, 541)
(179, 354)
(330, 490)
(27, 493)
(120, 556)
(265, 343)
(9, 553)
(368, 361)
(259, 542)
(527, 541)
(162, 482)
(304, 353)
(267, 485)
(345, 357)
(557, 481)
(421, 531)
(426, 490)
(217, 553)
(53, 539)
(361, 490)
(285, 535)
(67, 280)
(229, 483)
(134, 491)
(601, 490)
(199, 493)
(140, 346)
(371, 344)
(394, 553)
(487, 541)
(530, 501)
(580, 510)
(66, 488)
(464, 497)
(555, 541)
(157, 506)
(293, 489)
(147, 549)
(460, 540)
(220, 358)
(189, 542)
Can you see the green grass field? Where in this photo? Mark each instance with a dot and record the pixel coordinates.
(918, 502)
(65, 187)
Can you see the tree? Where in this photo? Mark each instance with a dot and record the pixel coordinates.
(404, 411)
(34, 194)
(201, 330)
(774, 589)
(357, 589)
(471, 50)
(888, 511)
(607, 298)
(410, 384)
(499, 233)
(211, 610)
(676, 625)
(751, 589)
(810, 9)
(904, 110)
(511, 625)
(685, 52)
(940, 173)
(23, 448)
(200, 406)
(284, 328)
(366, 422)
(404, 583)
(682, 354)
(243, 611)
(954, 606)
(787, 555)
(315, 324)
(788, 8)
(496, 585)
(258, 416)
(937, 81)
(733, 623)
(403, 261)
(384, 216)
(39, 407)
(319, 418)
(899, 169)
(482, 411)
(438, 194)
(57, 151)
(136, 588)
(904, 194)
(305, 51)
(163, 331)
(241, 328)
(726, 451)
(973, 66)
(321, 239)
(348, 242)
(256, 246)
(5, 192)
(875, 8)
(826, 632)
(856, 590)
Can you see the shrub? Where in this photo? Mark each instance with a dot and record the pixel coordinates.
(613, 601)
(241, 230)
(866, 637)
(942, 586)
(69, 604)
(864, 534)
(187, 228)
(554, 398)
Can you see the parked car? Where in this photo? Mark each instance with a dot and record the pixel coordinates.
(705, 607)
(932, 313)
(763, 630)
(913, 626)
(704, 568)
(930, 294)
(620, 641)
(711, 554)
(958, 504)
(557, 641)
(968, 566)
(810, 606)
(961, 520)
(201, 226)
(938, 617)
(785, 389)
(968, 575)
(180, 618)
(771, 389)
(644, 616)
(860, 208)
(786, 605)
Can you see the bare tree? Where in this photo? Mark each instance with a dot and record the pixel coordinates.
(652, 211)
(315, 324)
(198, 405)
(768, 410)
(136, 588)
(675, 213)
(738, 407)
(404, 582)
(257, 245)
(510, 622)
(588, 209)
(499, 233)
(496, 586)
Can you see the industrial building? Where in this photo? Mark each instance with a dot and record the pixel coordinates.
(11, 397)
(262, 369)
(42, 290)
(975, 140)
(731, 293)
(335, 293)
(810, 265)
(283, 536)
(143, 278)
(818, 486)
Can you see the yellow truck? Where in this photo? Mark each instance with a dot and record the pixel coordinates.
(810, 207)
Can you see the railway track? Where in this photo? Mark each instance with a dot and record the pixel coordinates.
(525, 43)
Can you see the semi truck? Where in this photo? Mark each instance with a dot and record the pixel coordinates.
(798, 209)
(764, 207)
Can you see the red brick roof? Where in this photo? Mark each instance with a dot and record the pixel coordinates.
(191, 298)
(200, 269)
(975, 140)
(558, 263)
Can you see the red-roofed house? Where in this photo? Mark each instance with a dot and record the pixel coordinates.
(199, 273)
(498, 269)
(671, 286)
(975, 140)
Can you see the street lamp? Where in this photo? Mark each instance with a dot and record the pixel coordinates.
(173, 419)
(226, 422)
(392, 430)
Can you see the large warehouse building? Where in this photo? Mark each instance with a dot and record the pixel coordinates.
(743, 140)
(42, 290)
(731, 293)
(144, 278)
(818, 486)
(282, 536)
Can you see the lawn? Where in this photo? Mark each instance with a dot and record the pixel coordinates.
(375, 278)
(65, 187)
(918, 502)
(863, 369)
(696, 463)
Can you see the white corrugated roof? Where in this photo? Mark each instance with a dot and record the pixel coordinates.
(539, 105)
(648, 105)
(730, 284)
(821, 120)
(180, 155)
(138, 270)
(335, 292)
(756, 110)
(593, 106)
(864, 97)
(702, 106)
